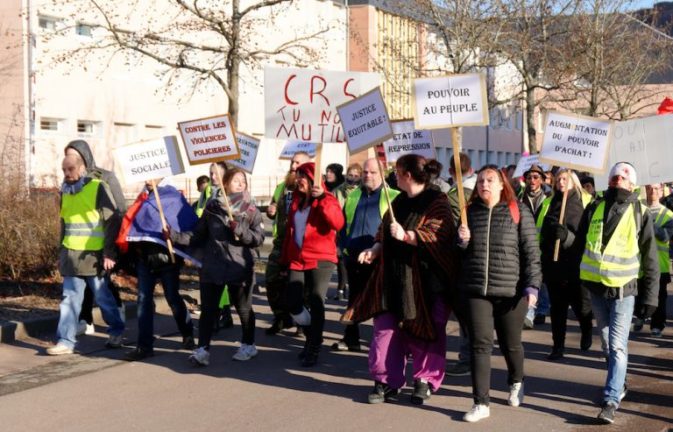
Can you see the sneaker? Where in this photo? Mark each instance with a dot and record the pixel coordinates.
(245, 352)
(341, 345)
(84, 328)
(459, 369)
(657, 333)
(188, 342)
(114, 341)
(607, 414)
(527, 324)
(200, 357)
(515, 394)
(638, 324)
(340, 295)
(421, 392)
(59, 349)
(381, 393)
(138, 354)
(539, 319)
(478, 412)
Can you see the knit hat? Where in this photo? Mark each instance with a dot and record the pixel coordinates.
(535, 168)
(336, 168)
(625, 170)
(307, 169)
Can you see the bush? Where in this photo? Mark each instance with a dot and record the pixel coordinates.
(29, 232)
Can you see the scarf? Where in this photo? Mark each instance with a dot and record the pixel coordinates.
(74, 188)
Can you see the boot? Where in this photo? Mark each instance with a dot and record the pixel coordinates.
(311, 357)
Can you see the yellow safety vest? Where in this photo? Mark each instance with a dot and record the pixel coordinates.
(619, 263)
(203, 199)
(544, 208)
(83, 226)
(277, 193)
(352, 203)
(663, 216)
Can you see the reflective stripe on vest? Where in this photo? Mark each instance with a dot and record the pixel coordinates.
(544, 208)
(203, 199)
(663, 216)
(83, 227)
(619, 263)
(352, 203)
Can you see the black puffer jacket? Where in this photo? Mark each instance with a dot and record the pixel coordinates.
(502, 257)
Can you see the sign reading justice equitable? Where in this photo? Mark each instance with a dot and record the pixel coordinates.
(209, 139)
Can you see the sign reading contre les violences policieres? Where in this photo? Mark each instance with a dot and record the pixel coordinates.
(209, 139)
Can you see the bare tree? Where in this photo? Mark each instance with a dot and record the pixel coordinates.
(208, 39)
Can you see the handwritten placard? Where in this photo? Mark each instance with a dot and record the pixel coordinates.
(209, 139)
(248, 147)
(300, 104)
(450, 101)
(575, 141)
(365, 121)
(408, 140)
(149, 160)
(528, 161)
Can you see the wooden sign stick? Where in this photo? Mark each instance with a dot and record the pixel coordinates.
(164, 226)
(459, 176)
(317, 174)
(562, 216)
(385, 189)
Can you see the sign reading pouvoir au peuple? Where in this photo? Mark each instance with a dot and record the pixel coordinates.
(575, 141)
(292, 146)
(408, 140)
(365, 121)
(450, 101)
(248, 147)
(209, 139)
(149, 160)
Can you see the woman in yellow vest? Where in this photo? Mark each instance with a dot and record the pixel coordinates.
(562, 275)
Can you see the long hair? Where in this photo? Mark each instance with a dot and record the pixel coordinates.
(572, 177)
(229, 175)
(507, 194)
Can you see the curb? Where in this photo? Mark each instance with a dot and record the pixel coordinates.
(12, 331)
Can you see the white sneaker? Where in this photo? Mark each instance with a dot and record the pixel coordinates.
(114, 341)
(200, 357)
(478, 412)
(84, 328)
(245, 352)
(59, 349)
(515, 394)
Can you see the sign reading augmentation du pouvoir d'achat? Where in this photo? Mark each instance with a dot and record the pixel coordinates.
(450, 101)
(149, 160)
(576, 141)
(209, 139)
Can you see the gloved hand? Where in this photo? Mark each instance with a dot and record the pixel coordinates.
(645, 311)
(559, 231)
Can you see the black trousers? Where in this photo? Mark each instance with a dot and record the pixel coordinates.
(309, 288)
(240, 296)
(563, 293)
(358, 276)
(276, 285)
(659, 316)
(505, 315)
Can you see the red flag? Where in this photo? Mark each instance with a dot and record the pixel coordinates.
(666, 106)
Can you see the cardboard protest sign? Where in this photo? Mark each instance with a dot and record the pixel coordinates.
(528, 161)
(365, 121)
(450, 101)
(300, 104)
(248, 147)
(647, 144)
(209, 139)
(575, 141)
(408, 140)
(149, 160)
(291, 147)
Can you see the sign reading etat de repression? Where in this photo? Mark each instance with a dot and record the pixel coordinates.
(408, 140)
(209, 139)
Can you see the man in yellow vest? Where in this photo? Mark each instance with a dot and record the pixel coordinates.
(89, 225)
(364, 209)
(275, 275)
(663, 231)
(617, 238)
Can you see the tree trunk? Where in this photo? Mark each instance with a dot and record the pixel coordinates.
(234, 62)
(530, 120)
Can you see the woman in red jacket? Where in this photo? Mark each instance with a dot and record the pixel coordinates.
(309, 249)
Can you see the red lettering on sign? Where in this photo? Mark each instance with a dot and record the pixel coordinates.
(313, 92)
(350, 80)
(287, 97)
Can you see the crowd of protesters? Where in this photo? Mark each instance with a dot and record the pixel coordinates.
(407, 253)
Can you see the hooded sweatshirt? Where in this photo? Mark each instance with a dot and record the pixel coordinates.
(93, 171)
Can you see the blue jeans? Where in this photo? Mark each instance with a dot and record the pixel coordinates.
(613, 320)
(170, 281)
(542, 306)
(71, 305)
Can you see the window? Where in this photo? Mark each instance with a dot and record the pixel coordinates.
(48, 124)
(84, 30)
(47, 23)
(85, 127)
